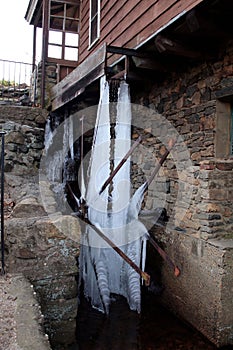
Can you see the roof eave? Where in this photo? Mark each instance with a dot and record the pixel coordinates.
(31, 11)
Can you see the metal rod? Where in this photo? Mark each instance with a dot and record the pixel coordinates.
(147, 183)
(159, 164)
(2, 133)
(124, 159)
(164, 256)
(143, 274)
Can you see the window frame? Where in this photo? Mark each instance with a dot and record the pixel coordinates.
(91, 20)
(63, 46)
(224, 129)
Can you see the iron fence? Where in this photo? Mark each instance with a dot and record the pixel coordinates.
(15, 82)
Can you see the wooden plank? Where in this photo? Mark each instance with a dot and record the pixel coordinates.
(164, 44)
(62, 62)
(151, 30)
(133, 31)
(148, 63)
(80, 85)
(116, 14)
(138, 38)
(106, 6)
(84, 34)
(45, 36)
(132, 20)
(77, 88)
(91, 69)
(84, 14)
(135, 23)
(84, 23)
(114, 19)
(31, 10)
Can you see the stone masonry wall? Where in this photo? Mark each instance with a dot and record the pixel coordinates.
(51, 80)
(188, 101)
(198, 235)
(24, 127)
(44, 252)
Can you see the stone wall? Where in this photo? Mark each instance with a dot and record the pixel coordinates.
(24, 138)
(51, 80)
(199, 232)
(42, 251)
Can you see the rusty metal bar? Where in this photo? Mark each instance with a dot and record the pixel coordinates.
(147, 183)
(164, 256)
(159, 164)
(124, 159)
(143, 274)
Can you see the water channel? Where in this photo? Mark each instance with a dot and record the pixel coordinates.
(155, 328)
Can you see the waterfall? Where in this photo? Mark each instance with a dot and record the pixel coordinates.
(59, 160)
(48, 137)
(68, 138)
(102, 270)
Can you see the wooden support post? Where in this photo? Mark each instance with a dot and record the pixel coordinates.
(45, 38)
(34, 48)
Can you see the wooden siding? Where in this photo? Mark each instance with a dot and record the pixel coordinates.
(76, 82)
(129, 23)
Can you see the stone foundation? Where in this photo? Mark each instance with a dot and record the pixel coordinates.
(197, 101)
(44, 252)
(202, 294)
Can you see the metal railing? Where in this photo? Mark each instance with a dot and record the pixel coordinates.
(15, 82)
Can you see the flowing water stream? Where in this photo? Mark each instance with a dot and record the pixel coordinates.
(153, 329)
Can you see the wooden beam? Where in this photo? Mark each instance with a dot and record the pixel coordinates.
(31, 11)
(75, 83)
(192, 21)
(62, 62)
(119, 75)
(45, 36)
(38, 16)
(148, 63)
(124, 51)
(34, 48)
(166, 45)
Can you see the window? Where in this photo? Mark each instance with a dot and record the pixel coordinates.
(94, 24)
(63, 30)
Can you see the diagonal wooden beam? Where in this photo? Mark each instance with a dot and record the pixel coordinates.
(167, 45)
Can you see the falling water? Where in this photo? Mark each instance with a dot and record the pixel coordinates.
(68, 139)
(59, 160)
(103, 272)
(48, 137)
